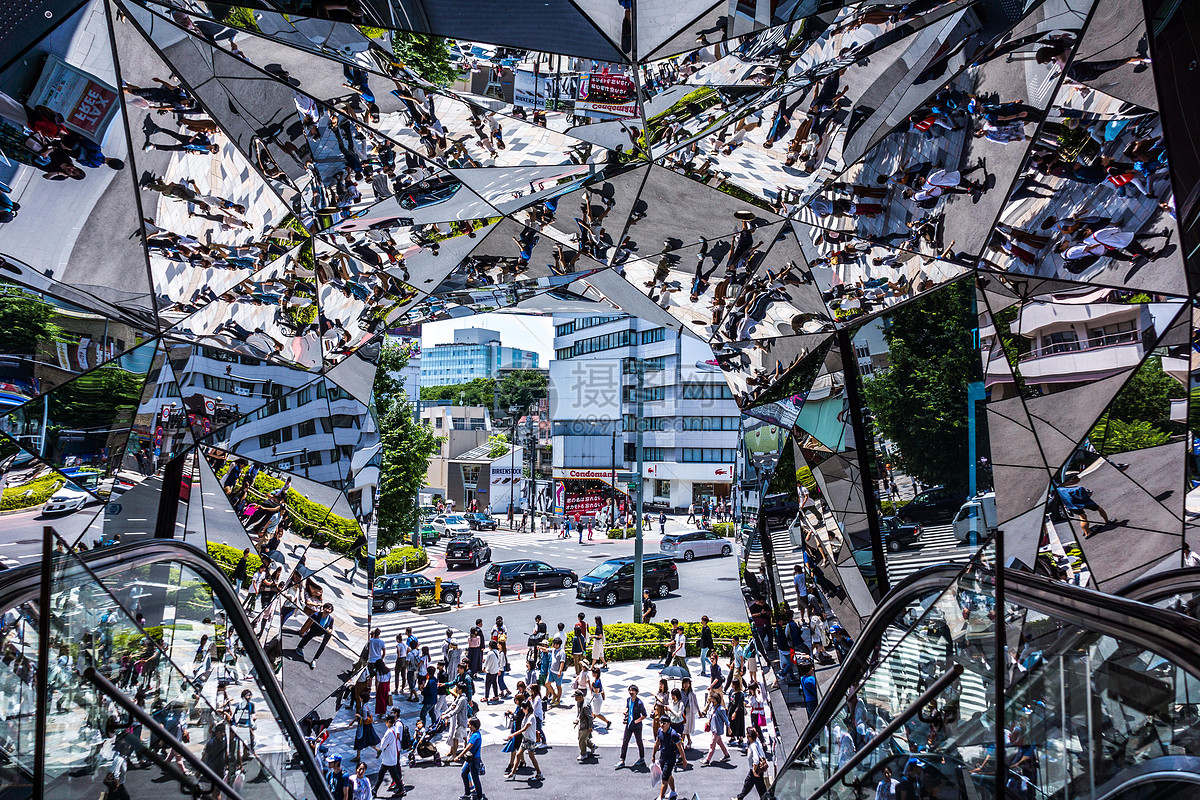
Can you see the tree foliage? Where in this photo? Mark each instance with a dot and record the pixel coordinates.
(1140, 415)
(25, 320)
(517, 388)
(920, 402)
(428, 56)
(497, 445)
(406, 447)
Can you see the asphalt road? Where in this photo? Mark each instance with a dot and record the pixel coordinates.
(714, 579)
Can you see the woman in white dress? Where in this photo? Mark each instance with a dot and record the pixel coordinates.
(598, 659)
(691, 710)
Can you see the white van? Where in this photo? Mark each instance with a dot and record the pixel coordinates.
(976, 519)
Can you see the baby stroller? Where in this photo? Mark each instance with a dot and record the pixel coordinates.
(423, 747)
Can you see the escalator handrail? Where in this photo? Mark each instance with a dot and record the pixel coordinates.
(916, 585)
(1166, 633)
(1153, 588)
(21, 585)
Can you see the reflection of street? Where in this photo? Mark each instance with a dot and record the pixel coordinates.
(21, 533)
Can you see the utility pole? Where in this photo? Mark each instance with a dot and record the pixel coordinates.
(416, 532)
(637, 542)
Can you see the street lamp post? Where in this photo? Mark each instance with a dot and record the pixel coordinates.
(637, 542)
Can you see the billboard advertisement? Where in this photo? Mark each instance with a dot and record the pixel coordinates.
(87, 104)
(538, 91)
(607, 93)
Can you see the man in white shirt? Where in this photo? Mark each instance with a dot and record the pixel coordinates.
(389, 756)
(114, 781)
(679, 648)
(401, 663)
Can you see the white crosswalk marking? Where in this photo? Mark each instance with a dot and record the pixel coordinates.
(915, 661)
(938, 546)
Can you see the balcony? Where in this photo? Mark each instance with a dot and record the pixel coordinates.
(1089, 359)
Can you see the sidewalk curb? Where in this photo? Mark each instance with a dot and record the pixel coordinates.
(434, 610)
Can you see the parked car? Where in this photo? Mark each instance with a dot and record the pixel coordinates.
(481, 522)
(898, 534)
(779, 509)
(450, 525)
(691, 544)
(467, 551)
(935, 506)
(428, 193)
(520, 576)
(393, 591)
(612, 581)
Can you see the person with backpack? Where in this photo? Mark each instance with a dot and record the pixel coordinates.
(391, 746)
(649, 610)
(1077, 501)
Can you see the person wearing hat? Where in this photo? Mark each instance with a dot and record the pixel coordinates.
(337, 781)
(584, 723)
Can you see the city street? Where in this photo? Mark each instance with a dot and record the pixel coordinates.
(715, 578)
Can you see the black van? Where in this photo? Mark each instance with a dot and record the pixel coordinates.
(611, 582)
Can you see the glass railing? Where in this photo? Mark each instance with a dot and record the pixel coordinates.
(950, 734)
(147, 682)
(1085, 706)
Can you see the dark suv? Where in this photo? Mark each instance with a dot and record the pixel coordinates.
(393, 591)
(468, 551)
(780, 509)
(611, 582)
(520, 576)
(936, 506)
(481, 522)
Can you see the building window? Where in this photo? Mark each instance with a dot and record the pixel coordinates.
(275, 438)
(656, 335)
(708, 455)
(478, 424)
(649, 393)
(648, 423)
(307, 428)
(711, 423)
(656, 364)
(707, 391)
(304, 396)
(662, 488)
(315, 459)
(458, 423)
(437, 423)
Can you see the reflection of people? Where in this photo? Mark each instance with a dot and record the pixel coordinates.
(1076, 501)
(322, 626)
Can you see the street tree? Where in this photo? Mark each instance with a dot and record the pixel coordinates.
(406, 448)
(920, 401)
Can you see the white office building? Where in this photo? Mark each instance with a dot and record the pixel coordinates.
(690, 417)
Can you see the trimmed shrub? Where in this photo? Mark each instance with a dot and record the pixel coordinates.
(638, 641)
(33, 493)
(424, 600)
(724, 529)
(621, 533)
(890, 507)
(227, 557)
(404, 559)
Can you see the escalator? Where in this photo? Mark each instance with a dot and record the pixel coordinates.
(1096, 696)
(155, 680)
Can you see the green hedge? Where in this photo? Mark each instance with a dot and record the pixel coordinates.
(227, 558)
(396, 559)
(622, 633)
(889, 507)
(39, 491)
(309, 519)
(621, 533)
(724, 529)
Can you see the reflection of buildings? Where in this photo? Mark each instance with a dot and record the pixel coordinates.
(462, 428)
(871, 349)
(534, 432)
(690, 418)
(474, 353)
(310, 428)
(1067, 344)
